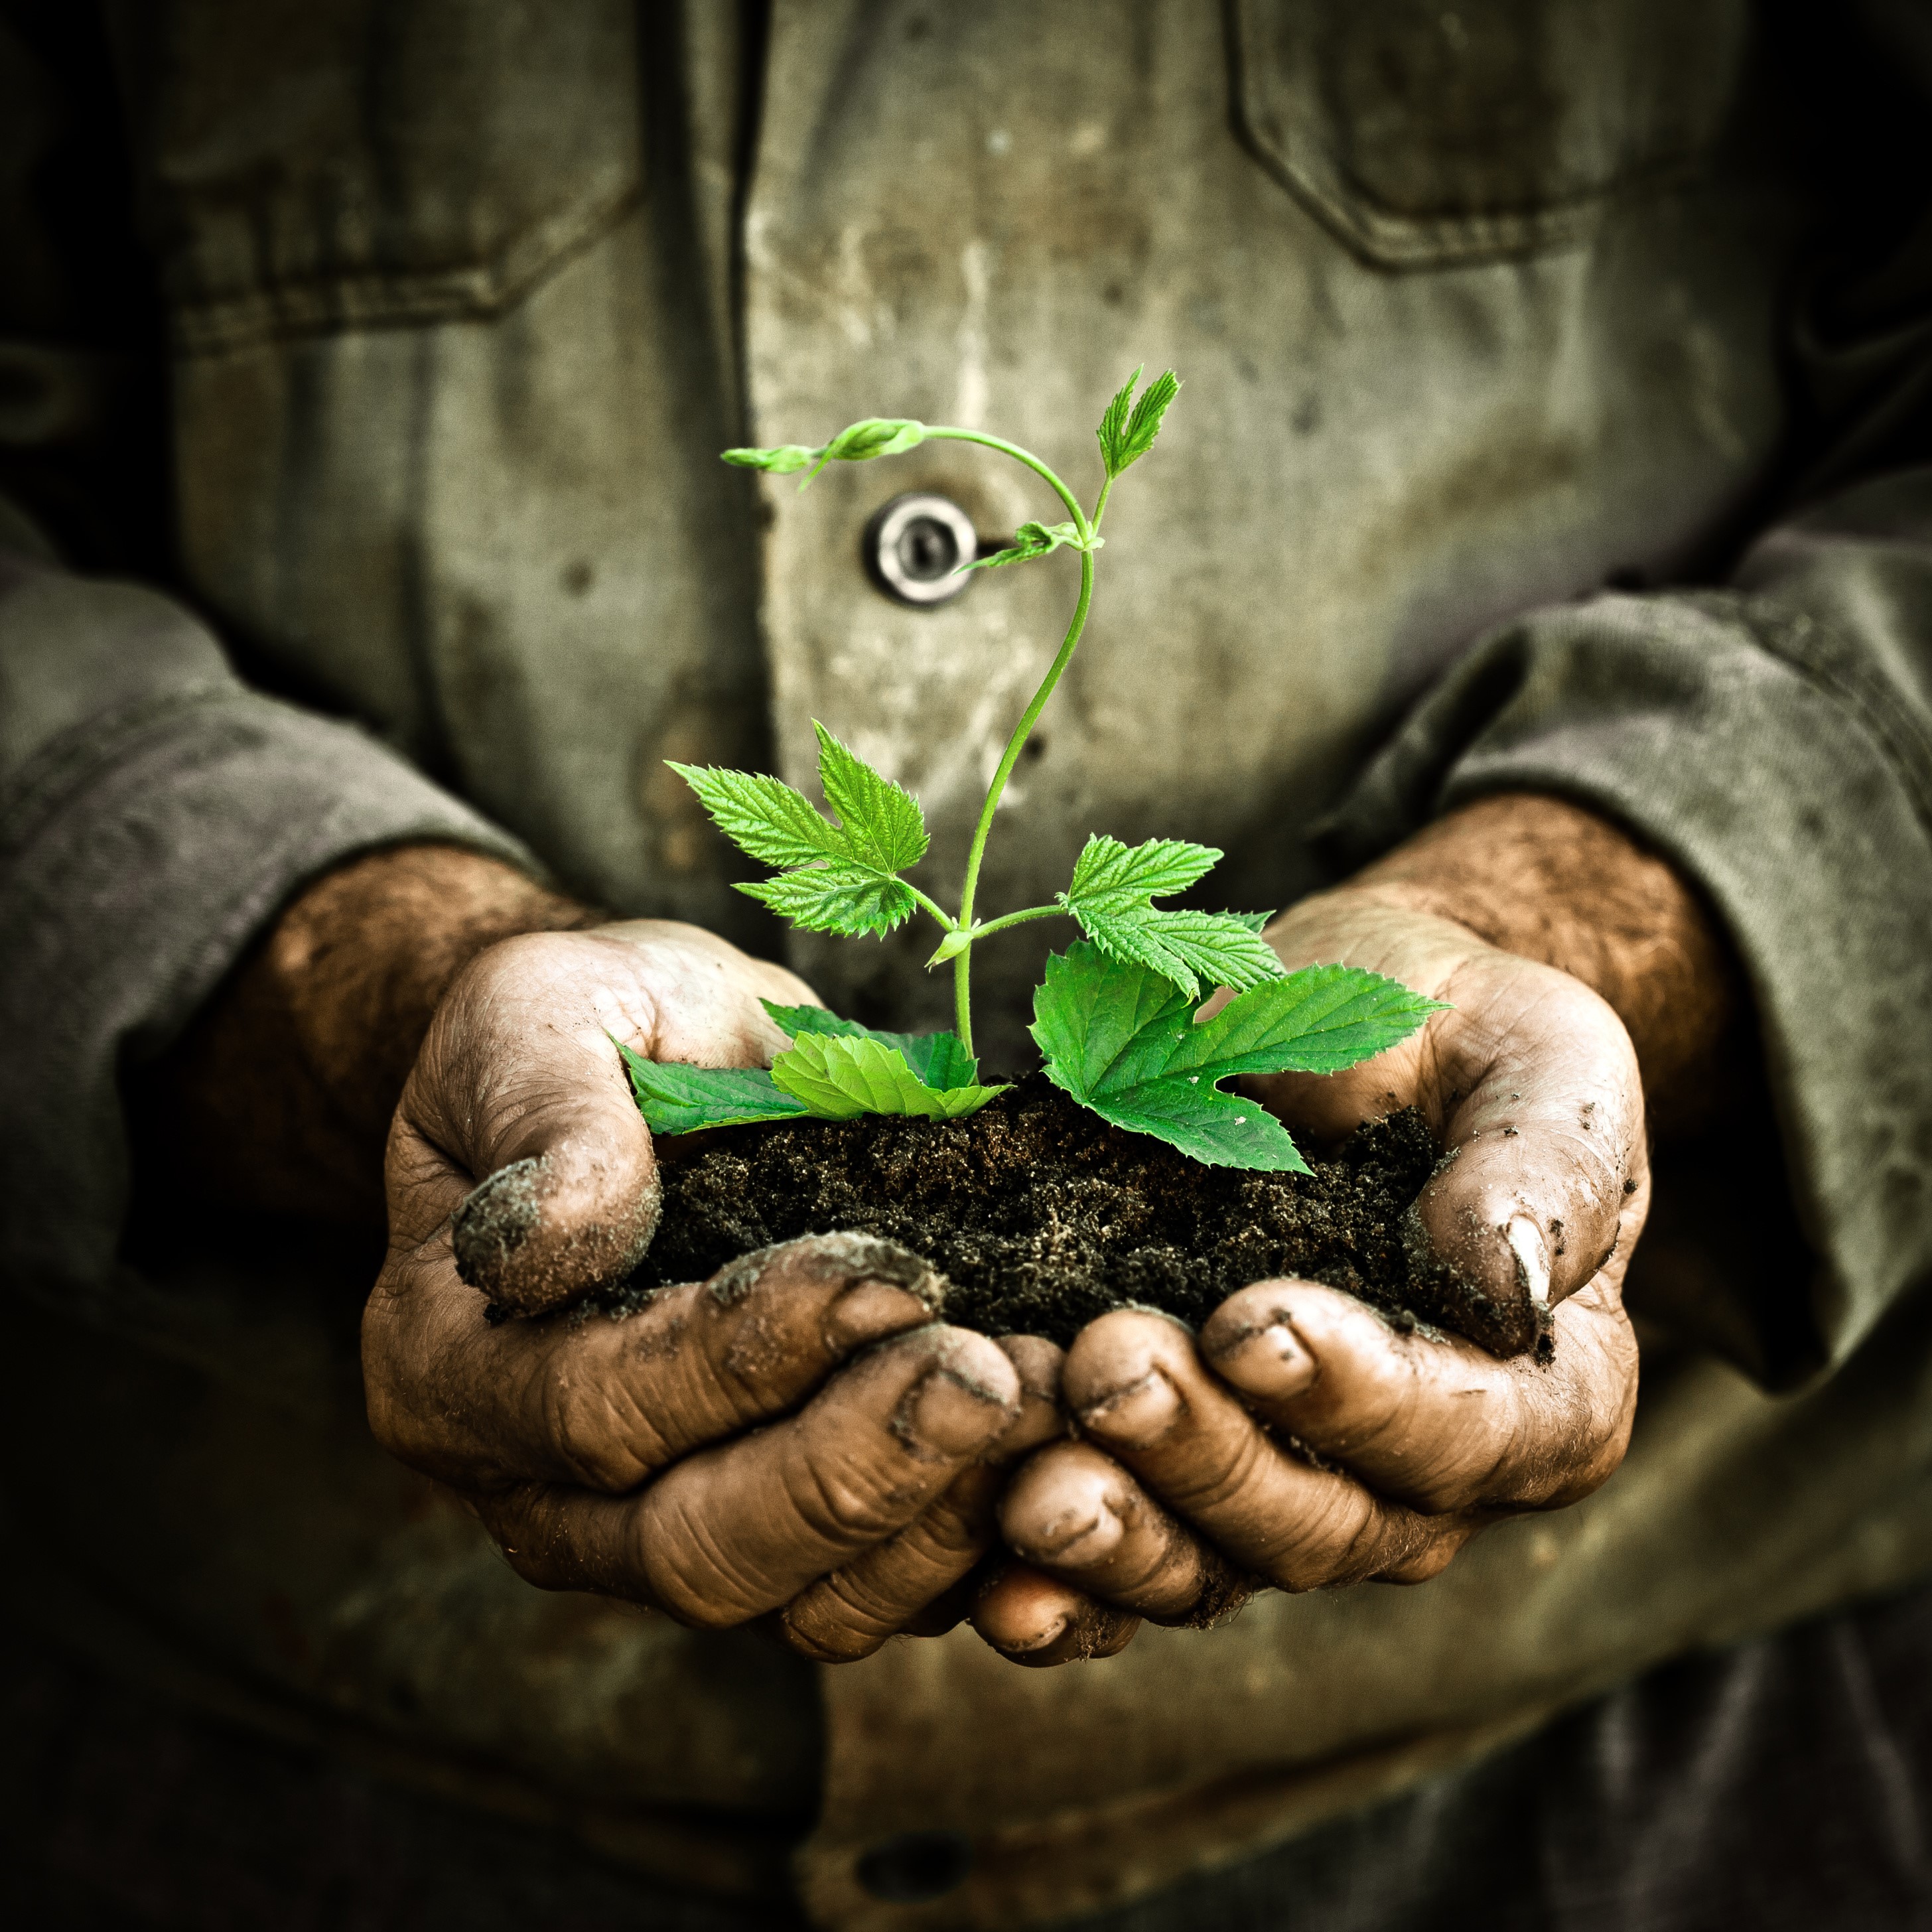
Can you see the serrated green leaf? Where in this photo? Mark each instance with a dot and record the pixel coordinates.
(1197, 950)
(1320, 1019)
(780, 461)
(837, 897)
(1113, 429)
(844, 882)
(884, 828)
(1145, 425)
(1119, 1039)
(1113, 884)
(839, 1077)
(762, 815)
(1218, 1129)
(937, 1058)
(1128, 429)
(676, 1099)
(1106, 869)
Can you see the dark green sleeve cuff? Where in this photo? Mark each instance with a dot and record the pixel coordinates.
(1774, 742)
(154, 814)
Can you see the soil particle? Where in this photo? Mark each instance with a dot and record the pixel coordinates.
(1042, 1217)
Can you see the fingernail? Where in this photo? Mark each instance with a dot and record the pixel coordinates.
(1073, 1541)
(946, 1415)
(868, 1311)
(1051, 1633)
(1139, 1415)
(1271, 1360)
(1532, 1258)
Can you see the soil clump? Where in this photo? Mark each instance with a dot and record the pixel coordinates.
(1042, 1216)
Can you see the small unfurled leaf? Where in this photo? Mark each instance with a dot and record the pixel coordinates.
(839, 896)
(937, 1058)
(1128, 429)
(876, 436)
(954, 943)
(782, 461)
(678, 1100)
(762, 815)
(1121, 1039)
(839, 1076)
(884, 827)
(1033, 540)
(1113, 430)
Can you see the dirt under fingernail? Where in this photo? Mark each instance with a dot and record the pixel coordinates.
(1139, 1416)
(1073, 1542)
(946, 1417)
(1053, 1632)
(868, 1311)
(1269, 1361)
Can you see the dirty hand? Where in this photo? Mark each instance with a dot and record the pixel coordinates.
(1193, 1483)
(798, 1435)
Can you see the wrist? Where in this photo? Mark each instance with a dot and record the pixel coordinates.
(1549, 881)
(279, 1095)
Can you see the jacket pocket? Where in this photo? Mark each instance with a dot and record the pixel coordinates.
(1429, 132)
(348, 162)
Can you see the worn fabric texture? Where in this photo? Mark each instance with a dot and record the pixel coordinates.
(1559, 396)
(1780, 1785)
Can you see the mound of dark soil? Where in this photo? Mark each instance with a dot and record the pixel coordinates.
(1042, 1216)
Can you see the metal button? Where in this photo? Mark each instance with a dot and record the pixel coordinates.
(914, 546)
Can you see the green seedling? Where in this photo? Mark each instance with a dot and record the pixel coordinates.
(1114, 1017)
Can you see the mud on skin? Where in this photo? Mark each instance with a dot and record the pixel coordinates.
(1042, 1217)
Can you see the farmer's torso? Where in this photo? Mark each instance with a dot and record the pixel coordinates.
(1473, 308)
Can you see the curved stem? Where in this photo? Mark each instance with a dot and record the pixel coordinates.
(962, 966)
(1025, 457)
(1006, 919)
(932, 906)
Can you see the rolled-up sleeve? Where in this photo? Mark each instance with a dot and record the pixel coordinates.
(1773, 740)
(154, 813)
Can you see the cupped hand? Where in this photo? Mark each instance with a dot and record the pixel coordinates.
(799, 1438)
(1301, 1441)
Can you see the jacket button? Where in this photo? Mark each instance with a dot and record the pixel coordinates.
(914, 546)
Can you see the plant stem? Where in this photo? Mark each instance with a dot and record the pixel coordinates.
(962, 966)
(932, 906)
(1006, 919)
(1100, 508)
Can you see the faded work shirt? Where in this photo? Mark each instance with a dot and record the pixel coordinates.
(1556, 373)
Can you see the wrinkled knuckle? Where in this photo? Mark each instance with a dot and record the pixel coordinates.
(1225, 1467)
(948, 1532)
(591, 1434)
(681, 1569)
(1327, 1550)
